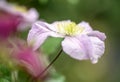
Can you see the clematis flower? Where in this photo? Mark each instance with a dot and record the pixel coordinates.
(80, 40)
(14, 17)
(32, 61)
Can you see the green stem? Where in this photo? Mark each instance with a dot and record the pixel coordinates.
(59, 53)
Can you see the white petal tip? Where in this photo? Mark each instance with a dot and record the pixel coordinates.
(94, 61)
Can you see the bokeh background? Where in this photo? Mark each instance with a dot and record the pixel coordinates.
(103, 15)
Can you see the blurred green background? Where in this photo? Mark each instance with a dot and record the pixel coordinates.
(103, 15)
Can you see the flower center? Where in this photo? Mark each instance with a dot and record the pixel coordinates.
(69, 28)
(20, 8)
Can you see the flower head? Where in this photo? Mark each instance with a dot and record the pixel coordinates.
(8, 24)
(14, 17)
(32, 61)
(80, 40)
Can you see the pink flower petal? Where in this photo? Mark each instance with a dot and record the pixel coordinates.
(86, 27)
(22, 55)
(28, 16)
(76, 47)
(98, 48)
(38, 34)
(84, 47)
(98, 34)
(31, 62)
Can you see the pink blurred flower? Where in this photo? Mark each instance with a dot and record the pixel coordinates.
(32, 61)
(14, 17)
(80, 40)
(8, 24)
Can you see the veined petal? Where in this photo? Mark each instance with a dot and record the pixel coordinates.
(38, 34)
(85, 26)
(49, 28)
(76, 47)
(84, 47)
(98, 48)
(98, 34)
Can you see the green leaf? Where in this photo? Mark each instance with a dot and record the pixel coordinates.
(23, 76)
(4, 71)
(51, 45)
(4, 80)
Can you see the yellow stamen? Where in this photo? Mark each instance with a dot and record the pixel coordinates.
(20, 8)
(69, 28)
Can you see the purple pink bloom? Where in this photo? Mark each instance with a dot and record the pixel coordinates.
(32, 61)
(14, 17)
(80, 40)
